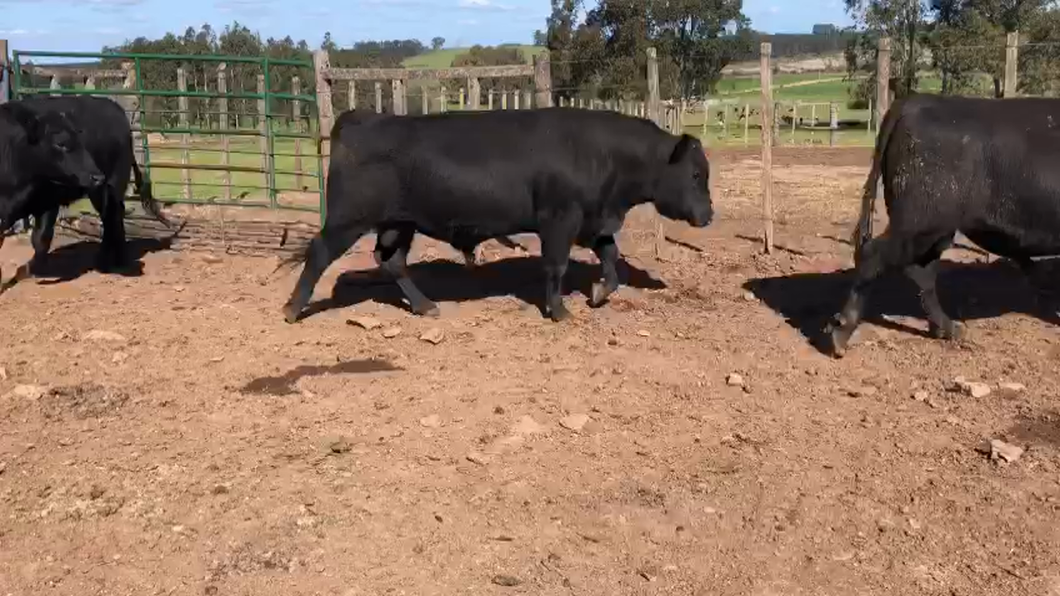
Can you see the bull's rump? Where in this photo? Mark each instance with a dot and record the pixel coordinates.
(479, 175)
(986, 168)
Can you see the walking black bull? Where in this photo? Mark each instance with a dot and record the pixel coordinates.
(105, 133)
(38, 150)
(568, 175)
(984, 167)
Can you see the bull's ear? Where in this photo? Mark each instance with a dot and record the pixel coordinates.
(685, 145)
(28, 120)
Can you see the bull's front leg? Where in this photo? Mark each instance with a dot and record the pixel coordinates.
(607, 251)
(43, 234)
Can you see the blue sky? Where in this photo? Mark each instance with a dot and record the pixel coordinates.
(87, 25)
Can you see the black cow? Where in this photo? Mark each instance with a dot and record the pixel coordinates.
(105, 132)
(568, 175)
(984, 167)
(38, 150)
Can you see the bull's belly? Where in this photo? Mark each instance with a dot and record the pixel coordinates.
(467, 237)
(1022, 245)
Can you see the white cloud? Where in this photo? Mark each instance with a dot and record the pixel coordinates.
(482, 5)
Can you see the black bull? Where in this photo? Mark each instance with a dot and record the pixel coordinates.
(982, 167)
(568, 175)
(39, 150)
(104, 131)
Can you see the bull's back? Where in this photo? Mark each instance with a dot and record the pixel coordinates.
(484, 174)
(988, 165)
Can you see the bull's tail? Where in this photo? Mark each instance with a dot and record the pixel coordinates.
(147, 198)
(863, 230)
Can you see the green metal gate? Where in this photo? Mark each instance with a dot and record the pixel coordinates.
(203, 120)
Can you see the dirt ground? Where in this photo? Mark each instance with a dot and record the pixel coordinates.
(169, 434)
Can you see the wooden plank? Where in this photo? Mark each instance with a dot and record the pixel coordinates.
(78, 73)
(415, 74)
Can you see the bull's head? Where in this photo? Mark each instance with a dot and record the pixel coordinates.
(682, 191)
(54, 150)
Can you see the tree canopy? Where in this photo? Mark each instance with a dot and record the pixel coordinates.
(963, 40)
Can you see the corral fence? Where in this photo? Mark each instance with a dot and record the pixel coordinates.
(252, 132)
(215, 132)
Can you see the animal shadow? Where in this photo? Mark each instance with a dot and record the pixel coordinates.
(446, 281)
(967, 292)
(71, 261)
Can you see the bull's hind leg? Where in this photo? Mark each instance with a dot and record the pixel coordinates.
(885, 253)
(330, 244)
(924, 273)
(557, 239)
(43, 234)
(607, 251)
(392, 252)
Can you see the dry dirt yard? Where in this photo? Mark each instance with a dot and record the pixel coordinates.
(171, 435)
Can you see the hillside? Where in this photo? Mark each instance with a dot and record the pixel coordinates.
(444, 58)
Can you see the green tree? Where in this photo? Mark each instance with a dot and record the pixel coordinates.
(437, 43)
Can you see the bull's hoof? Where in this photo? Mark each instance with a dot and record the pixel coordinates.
(953, 331)
(599, 297)
(840, 339)
(428, 310)
(34, 268)
(291, 313)
(469, 259)
(559, 313)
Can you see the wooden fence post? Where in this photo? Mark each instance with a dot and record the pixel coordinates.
(883, 80)
(833, 123)
(489, 100)
(746, 124)
(378, 97)
(883, 98)
(396, 86)
(296, 113)
(515, 99)
(351, 95)
(655, 115)
(1012, 42)
(263, 131)
(185, 138)
(766, 75)
(443, 100)
(654, 102)
(425, 101)
(222, 108)
(476, 93)
(5, 83)
(542, 81)
(504, 100)
(325, 115)
(135, 111)
(463, 98)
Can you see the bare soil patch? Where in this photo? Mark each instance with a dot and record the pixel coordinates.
(185, 440)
